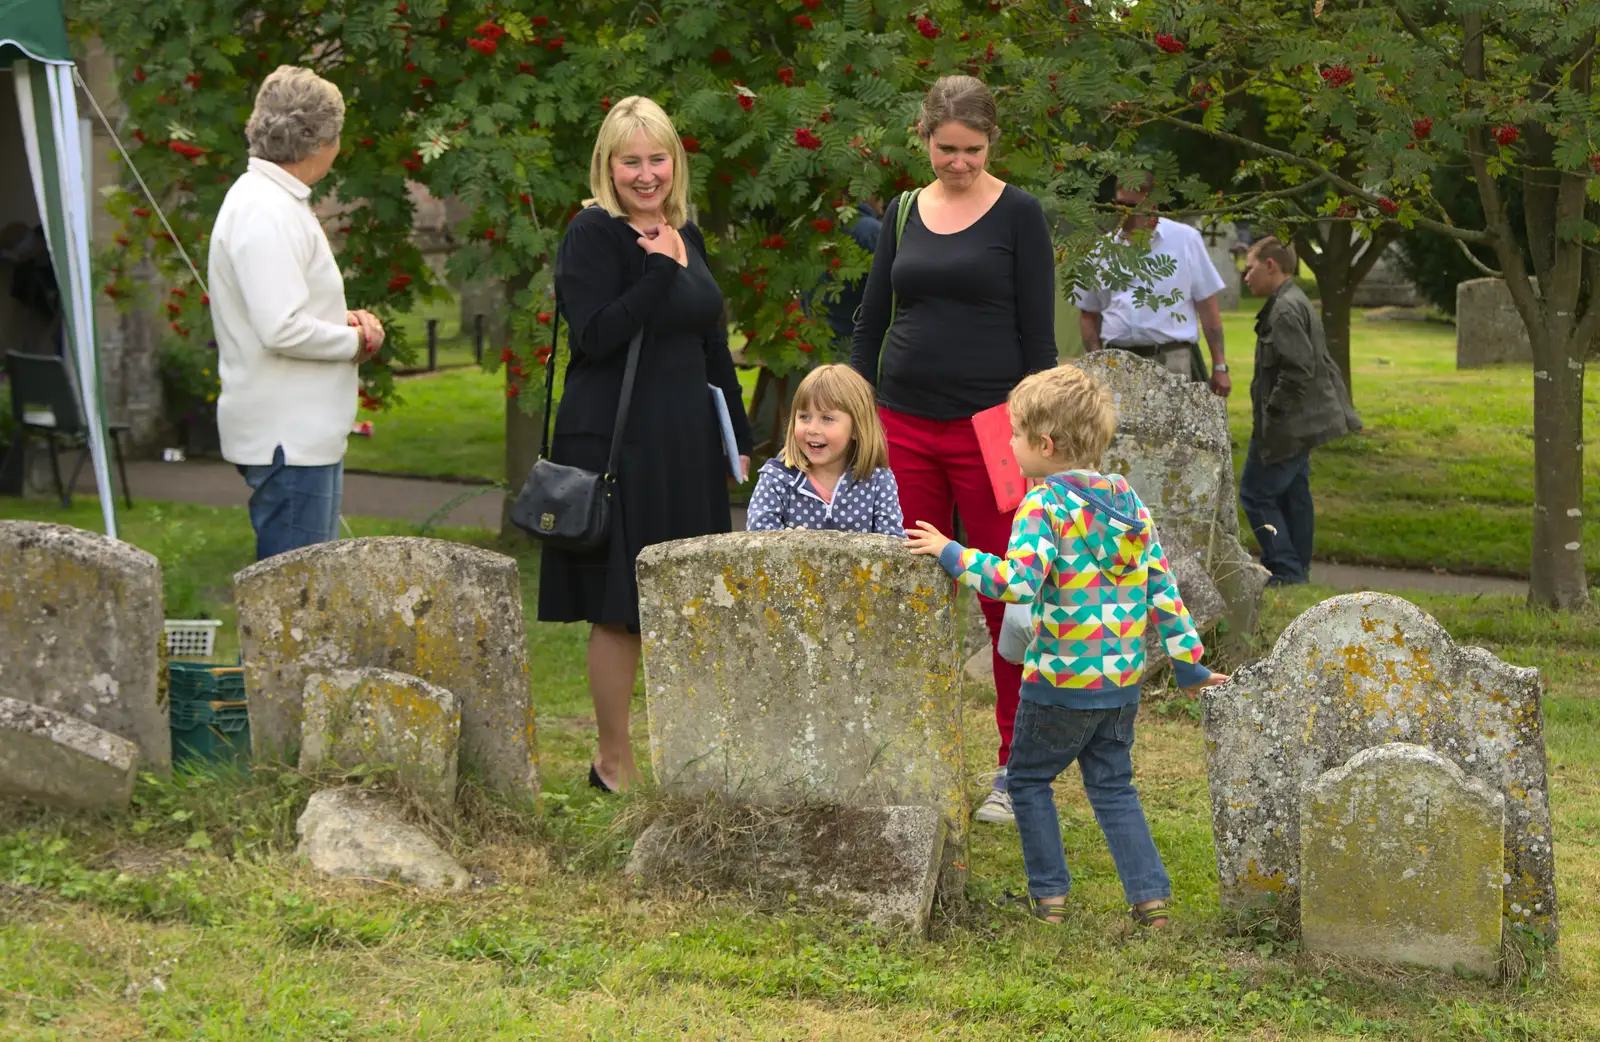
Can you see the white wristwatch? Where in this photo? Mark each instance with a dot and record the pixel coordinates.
(1220, 367)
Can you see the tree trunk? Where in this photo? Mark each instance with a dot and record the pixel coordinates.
(1336, 291)
(524, 429)
(1559, 580)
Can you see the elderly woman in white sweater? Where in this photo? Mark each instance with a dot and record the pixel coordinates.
(288, 348)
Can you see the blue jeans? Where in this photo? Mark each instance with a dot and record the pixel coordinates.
(1046, 742)
(1279, 495)
(291, 507)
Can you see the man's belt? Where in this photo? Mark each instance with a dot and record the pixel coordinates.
(1153, 350)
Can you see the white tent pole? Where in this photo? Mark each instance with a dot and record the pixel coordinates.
(70, 256)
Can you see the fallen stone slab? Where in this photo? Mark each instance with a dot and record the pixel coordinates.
(883, 862)
(377, 716)
(53, 758)
(448, 613)
(1402, 861)
(81, 631)
(351, 833)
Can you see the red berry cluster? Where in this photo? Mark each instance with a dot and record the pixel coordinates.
(690, 144)
(926, 27)
(1337, 76)
(1422, 128)
(1389, 206)
(774, 242)
(1169, 43)
(1506, 136)
(823, 225)
(487, 40)
(803, 21)
(186, 150)
(807, 139)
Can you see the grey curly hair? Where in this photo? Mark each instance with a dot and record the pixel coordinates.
(297, 113)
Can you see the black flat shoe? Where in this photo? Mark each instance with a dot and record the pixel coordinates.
(597, 782)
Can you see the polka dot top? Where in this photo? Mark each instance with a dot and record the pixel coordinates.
(784, 498)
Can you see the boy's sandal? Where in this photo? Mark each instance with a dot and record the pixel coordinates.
(1051, 914)
(1156, 915)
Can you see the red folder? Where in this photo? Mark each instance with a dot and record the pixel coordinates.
(993, 428)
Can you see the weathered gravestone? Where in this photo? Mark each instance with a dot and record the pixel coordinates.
(448, 613)
(786, 668)
(1355, 672)
(1489, 328)
(1401, 860)
(58, 759)
(375, 716)
(81, 631)
(1173, 446)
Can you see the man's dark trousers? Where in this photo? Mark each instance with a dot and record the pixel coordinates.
(1277, 500)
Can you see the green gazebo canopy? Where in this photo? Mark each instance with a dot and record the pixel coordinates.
(33, 29)
(33, 46)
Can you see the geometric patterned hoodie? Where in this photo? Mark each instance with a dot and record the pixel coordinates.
(1084, 554)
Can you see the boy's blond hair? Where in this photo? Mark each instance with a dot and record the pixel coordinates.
(1071, 408)
(839, 388)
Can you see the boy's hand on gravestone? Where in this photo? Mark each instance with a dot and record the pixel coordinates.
(926, 539)
(1214, 680)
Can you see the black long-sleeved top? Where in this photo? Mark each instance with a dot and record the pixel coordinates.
(976, 310)
(608, 288)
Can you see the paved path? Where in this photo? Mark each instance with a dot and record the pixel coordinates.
(417, 499)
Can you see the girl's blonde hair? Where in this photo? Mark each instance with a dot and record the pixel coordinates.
(626, 118)
(838, 388)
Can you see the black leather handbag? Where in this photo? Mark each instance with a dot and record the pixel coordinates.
(569, 507)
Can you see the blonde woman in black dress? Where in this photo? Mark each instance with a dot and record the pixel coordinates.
(629, 261)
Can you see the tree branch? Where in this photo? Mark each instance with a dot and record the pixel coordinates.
(1416, 30)
(1466, 251)
(1495, 214)
(1382, 236)
(1345, 186)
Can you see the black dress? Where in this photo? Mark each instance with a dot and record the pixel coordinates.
(672, 476)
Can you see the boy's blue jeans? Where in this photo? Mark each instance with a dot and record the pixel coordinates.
(291, 507)
(1046, 742)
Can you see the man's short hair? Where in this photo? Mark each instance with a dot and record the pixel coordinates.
(1272, 248)
(1071, 408)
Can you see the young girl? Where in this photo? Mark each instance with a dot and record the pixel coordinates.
(834, 472)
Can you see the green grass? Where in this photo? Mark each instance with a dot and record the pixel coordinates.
(1442, 476)
(451, 424)
(198, 886)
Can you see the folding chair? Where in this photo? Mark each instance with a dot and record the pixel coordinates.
(44, 403)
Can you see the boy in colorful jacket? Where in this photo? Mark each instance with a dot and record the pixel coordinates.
(1084, 554)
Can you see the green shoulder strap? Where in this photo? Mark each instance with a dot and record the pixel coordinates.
(907, 199)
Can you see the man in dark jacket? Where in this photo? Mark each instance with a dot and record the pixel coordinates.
(1298, 402)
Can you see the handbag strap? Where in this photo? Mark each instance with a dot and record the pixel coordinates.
(628, 375)
(907, 199)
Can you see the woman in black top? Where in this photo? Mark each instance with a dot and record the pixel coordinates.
(623, 265)
(968, 302)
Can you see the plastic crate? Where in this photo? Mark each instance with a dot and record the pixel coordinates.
(204, 682)
(191, 638)
(210, 730)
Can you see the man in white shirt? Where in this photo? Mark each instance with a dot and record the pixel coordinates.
(1169, 334)
(288, 350)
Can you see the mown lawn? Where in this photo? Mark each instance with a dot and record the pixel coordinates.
(191, 918)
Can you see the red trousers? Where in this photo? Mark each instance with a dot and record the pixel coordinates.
(940, 471)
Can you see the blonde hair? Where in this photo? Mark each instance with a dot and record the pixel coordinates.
(839, 388)
(1071, 408)
(626, 118)
(297, 114)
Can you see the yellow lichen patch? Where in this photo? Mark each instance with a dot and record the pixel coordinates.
(1267, 883)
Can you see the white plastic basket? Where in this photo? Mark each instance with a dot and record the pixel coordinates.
(191, 638)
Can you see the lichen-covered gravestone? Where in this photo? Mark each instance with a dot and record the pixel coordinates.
(377, 716)
(58, 759)
(1402, 860)
(448, 613)
(1173, 446)
(1355, 672)
(805, 667)
(81, 631)
(1489, 329)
